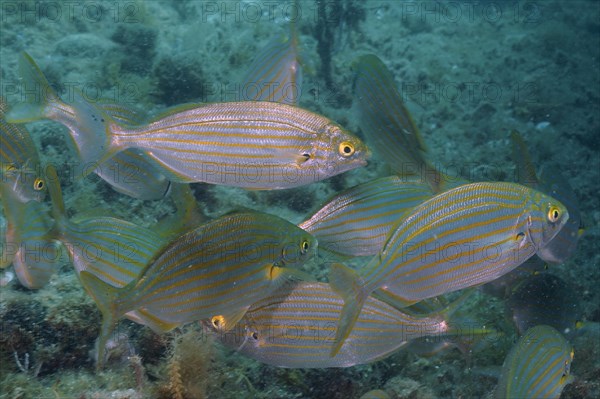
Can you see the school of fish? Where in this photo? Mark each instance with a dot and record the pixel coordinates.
(240, 275)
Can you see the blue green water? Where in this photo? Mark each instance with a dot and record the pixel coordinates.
(469, 72)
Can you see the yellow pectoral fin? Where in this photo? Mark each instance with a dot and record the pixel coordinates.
(226, 321)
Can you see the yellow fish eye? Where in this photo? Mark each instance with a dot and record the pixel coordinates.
(218, 321)
(304, 246)
(38, 184)
(553, 214)
(346, 149)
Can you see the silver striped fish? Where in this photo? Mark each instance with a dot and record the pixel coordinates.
(538, 366)
(275, 74)
(220, 268)
(463, 237)
(20, 168)
(255, 145)
(357, 221)
(552, 182)
(388, 125)
(128, 172)
(295, 327)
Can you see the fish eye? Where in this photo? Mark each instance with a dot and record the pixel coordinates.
(254, 335)
(38, 184)
(553, 214)
(304, 246)
(218, 321)
(346, 149)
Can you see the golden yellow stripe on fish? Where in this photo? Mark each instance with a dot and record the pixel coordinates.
(252, 144)
(219, 268)
(357, 221)
(295, 326)
(482, 229)
(538, 366)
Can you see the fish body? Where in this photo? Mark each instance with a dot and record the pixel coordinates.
(218, 269)
(251, 144)
(538, 366)
(295, 326)
(463, 237)
(357, 221)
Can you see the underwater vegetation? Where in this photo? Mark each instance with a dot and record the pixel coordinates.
(400, 139)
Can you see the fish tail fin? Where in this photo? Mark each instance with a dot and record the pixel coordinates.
(105, 296)
(39, 94)
(348, 284)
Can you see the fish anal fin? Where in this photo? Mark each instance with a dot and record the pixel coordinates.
(346, 283)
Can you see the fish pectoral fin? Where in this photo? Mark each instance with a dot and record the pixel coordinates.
(142, 316)
(290, 275)
(394, 300)
(227, 320)
(346, 283)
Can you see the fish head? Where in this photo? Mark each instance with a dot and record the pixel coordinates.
(546, 217)
(25, 182)
(298, 248)
(337, 150)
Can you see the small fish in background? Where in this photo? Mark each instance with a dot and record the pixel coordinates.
(294, 327)
(462, 237)
(357, 221)
(538, 366)
(26, 242)
(550, 181)
(129, 172)
(251, 144)
(544, 299)
(276, 74)
(214, 271)
(389, 126)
